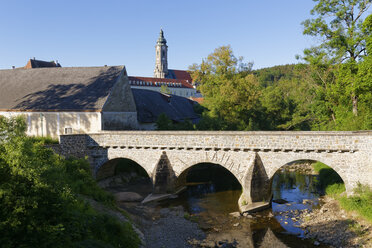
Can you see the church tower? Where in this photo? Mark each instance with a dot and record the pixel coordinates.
(161, 64)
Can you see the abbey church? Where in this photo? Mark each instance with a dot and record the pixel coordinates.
(59, 100)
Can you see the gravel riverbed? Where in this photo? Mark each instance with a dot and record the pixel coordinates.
(332, 225)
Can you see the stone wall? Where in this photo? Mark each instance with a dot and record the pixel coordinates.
(253, 157)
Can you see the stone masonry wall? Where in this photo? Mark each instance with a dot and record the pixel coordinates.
(349, 153)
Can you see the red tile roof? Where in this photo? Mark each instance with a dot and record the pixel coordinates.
(158, 82)
(197, 99)
(183, 75)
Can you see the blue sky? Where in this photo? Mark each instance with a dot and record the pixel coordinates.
(97, 33)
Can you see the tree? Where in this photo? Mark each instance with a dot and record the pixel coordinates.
(229, 88)
(163, 122)
(339, 24)
(42, 197)
(165, 90)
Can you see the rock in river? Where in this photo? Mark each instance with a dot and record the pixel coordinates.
(128, 197)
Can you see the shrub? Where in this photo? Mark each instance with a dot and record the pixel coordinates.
(40, 204)
(361, 202)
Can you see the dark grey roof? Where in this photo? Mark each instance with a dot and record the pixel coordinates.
(82, 89)
(150, 104)
(74, 88)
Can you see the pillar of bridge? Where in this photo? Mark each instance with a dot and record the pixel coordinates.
(164, 177)
(256, 188)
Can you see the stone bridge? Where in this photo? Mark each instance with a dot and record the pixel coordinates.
(252, 157)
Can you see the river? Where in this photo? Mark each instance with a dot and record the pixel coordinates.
(210, 203)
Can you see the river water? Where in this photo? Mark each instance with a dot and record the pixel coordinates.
(210, 205)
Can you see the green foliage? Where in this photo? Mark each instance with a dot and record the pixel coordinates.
(39, 197)
(165, 90)
(10, 128)
(335, 189)
(229, 89)
(46, 140)
(164, 123)
(329, 181)
(272, 75)
(361, 202)
(192, 218)
(340, 26)
(78, 176)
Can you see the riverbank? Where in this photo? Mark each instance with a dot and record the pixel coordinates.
(298, 217)
(334, 226)
(163, 227)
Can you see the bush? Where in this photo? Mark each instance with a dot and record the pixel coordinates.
(330, 181)
(361, 202)
(40, 204)
(46, 140)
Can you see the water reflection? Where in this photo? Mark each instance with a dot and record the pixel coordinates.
(297, 192)
(210, 203)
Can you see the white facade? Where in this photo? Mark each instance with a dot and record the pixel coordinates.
(184, 92)
(53, 124)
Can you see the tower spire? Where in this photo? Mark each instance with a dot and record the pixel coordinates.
(161, 63)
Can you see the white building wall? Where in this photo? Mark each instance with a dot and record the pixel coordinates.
(184, 92)
(52, 124)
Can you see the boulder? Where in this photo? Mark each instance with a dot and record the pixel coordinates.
(235, 214)
(128, 197)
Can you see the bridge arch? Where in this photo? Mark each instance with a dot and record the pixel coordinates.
(273, 162)
(128, 156)
(110, 167)
(235, 162)
(302, 161)
(327, 161)
(203, 167)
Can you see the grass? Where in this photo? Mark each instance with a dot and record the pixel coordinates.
(356, 228)
(332, 184)
(328, 178)
(189, 217)
(361, 202)
(46, 140)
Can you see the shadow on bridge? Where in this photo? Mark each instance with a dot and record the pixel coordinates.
(123, 174)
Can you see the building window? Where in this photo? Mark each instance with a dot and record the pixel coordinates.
(68, 130)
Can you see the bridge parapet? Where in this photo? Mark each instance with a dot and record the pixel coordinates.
(237, 141)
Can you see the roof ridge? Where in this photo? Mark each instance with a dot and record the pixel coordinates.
(60, 68)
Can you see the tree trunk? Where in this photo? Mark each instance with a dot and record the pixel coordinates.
(355, 104)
